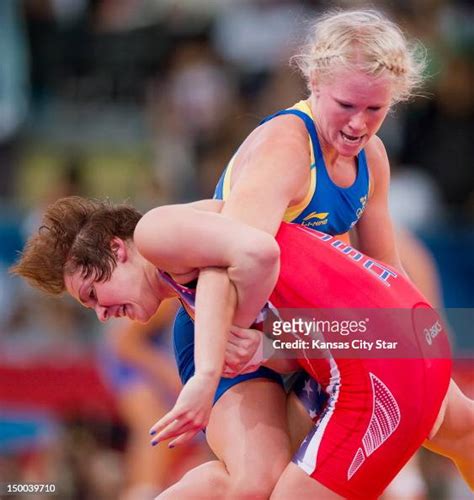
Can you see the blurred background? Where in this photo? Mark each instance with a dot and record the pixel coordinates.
(145, 101)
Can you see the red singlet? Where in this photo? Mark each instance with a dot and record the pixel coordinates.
(381, 406)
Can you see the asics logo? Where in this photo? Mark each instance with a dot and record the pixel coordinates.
(432, 332)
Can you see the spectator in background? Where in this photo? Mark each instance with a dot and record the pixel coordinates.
(189, 113)
(14, 90)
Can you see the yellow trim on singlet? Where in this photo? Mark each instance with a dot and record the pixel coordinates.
(227, 178)
(294, 210)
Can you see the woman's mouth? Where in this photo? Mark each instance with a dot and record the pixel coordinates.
(352, 140)
(121, 312)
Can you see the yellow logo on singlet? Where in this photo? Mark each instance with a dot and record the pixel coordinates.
(322, 218)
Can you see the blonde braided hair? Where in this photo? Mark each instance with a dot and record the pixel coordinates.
(362, 40)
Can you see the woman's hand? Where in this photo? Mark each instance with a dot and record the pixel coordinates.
(190, 413)
(244, 351)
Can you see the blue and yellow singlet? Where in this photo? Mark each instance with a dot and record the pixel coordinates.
(326, 207)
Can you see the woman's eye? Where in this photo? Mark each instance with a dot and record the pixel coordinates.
(345, 105)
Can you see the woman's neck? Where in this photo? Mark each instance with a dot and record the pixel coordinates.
(160, 287)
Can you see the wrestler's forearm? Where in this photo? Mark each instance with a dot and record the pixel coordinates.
(254, 276)
(215, 305)
(221, 301)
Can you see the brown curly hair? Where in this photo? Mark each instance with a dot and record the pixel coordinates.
(75, 233)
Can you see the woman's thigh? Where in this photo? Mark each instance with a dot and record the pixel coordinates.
(248, 431)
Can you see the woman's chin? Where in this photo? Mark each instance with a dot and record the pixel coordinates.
(144, 316)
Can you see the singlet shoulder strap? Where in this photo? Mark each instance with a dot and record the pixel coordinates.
(310, 127)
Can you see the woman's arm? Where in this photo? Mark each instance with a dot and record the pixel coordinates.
(180, 238)
(247, 349)
(375, 232)
(420, 266)
(271, 172)
(239, 266)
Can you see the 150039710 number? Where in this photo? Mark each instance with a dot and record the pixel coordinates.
(15, 488)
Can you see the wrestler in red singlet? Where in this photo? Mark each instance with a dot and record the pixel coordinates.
(380, 405)
(380, 408)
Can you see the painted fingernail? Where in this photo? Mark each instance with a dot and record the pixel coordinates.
(154, 443)
(152, 433)
(171, 446)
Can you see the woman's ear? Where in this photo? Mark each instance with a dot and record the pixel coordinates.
(119, 248)
(314, 84)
